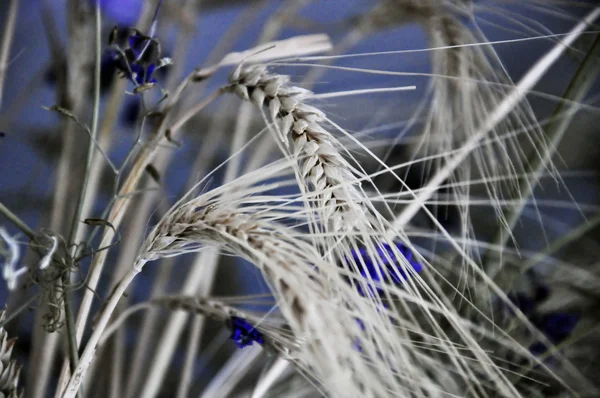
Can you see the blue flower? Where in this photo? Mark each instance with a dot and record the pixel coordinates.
(385, 253)
(136, 55)
(243, 333)
(140, 60)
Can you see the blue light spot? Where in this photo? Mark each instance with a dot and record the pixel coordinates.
(385, 253)
(243, 333)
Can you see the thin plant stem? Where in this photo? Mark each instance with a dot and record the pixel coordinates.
(279, 367)
(70, 321)
(146, 331)
(17, 311)
(109, 117)
(116, 99)
(70, 324)
(90, 348)
(193, 111)
(17, 221)
(232, 372)
(185, 383)
(20, 100)
(70, 94)
(137, 230)
(7, 39)
(90, 152)
(198, 281)
(556, 245)
(554, 350)
(116, 354)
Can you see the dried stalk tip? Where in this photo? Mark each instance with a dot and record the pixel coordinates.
(9, 369)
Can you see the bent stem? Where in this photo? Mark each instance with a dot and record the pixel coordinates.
(90, 348)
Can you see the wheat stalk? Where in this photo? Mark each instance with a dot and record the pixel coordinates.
(277, 340)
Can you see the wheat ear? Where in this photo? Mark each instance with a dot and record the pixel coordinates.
(300, 128)
(289, 264)
(276, 334)
(9, 368)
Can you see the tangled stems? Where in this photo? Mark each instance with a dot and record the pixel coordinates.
(119, 208)
(162, 136)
